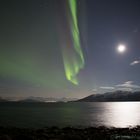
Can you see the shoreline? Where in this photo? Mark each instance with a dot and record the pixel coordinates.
(70, 133)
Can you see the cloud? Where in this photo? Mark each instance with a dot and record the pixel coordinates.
(107, 88)
(135, 62)
(124, 89)
(129, 85)
(94, 89)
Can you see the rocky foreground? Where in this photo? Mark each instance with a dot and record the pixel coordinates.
(70, 133)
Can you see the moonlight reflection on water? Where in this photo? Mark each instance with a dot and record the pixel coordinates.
(122, 114)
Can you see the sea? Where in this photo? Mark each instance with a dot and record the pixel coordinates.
(75, 114)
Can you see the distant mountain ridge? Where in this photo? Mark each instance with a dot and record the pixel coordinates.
(2, 100)
(37, 99)
(112, 96)
(106, 97)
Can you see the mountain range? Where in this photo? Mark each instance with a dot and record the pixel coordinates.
(106, 97)
(112, 96)
(36, 99)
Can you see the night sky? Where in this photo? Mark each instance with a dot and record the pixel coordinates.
(58, 48)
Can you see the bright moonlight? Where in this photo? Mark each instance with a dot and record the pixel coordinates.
(121, 48)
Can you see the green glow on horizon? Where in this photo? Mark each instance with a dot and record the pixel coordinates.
(26, 70)
(74, 62)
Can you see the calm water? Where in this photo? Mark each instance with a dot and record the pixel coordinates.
(117, 114)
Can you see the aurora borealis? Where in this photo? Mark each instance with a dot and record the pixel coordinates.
(74, 61)
(68, 48)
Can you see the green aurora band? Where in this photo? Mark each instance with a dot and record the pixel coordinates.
(73, 59)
